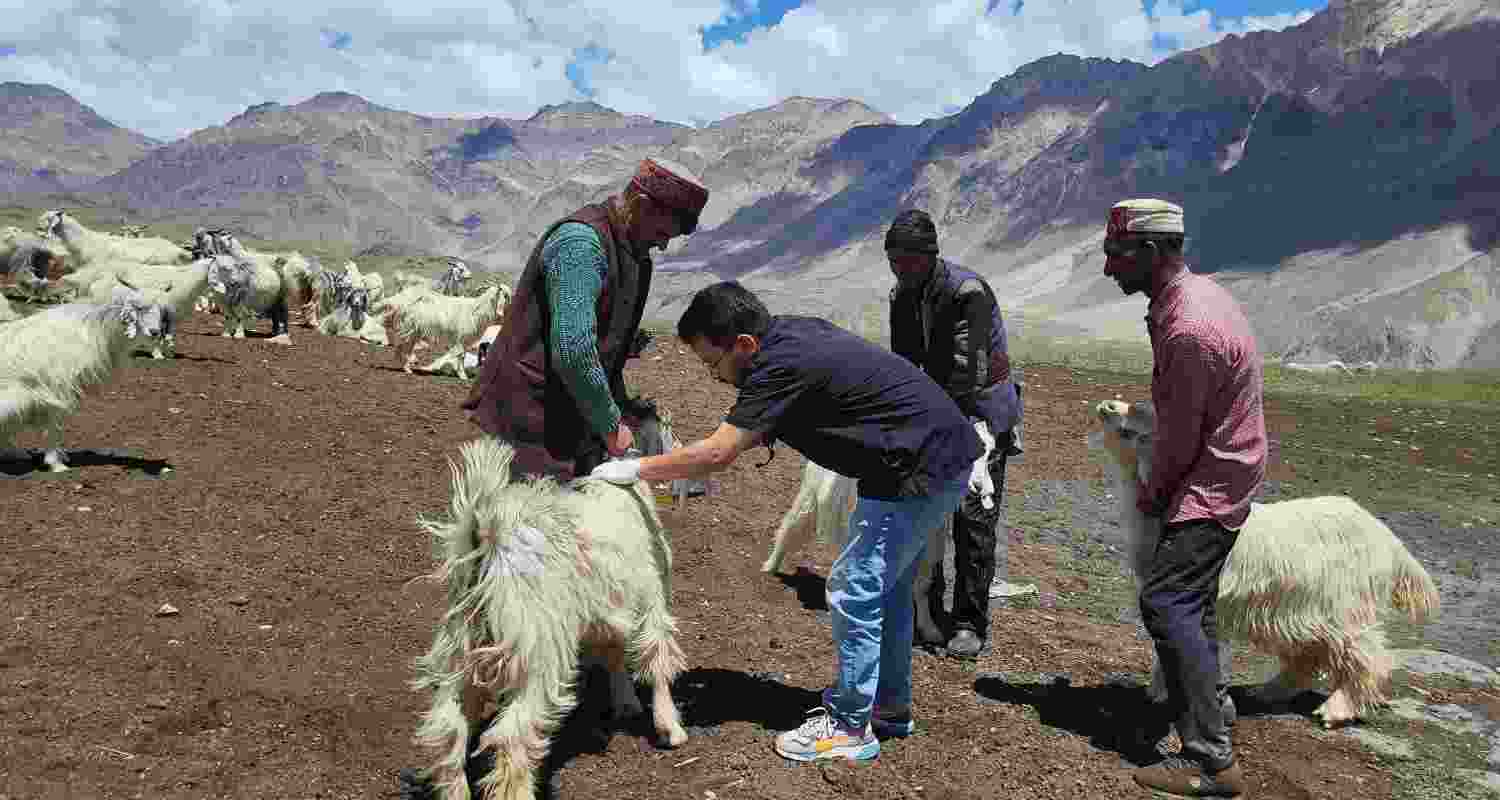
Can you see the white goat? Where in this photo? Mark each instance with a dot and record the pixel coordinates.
(352, 319)
(1323, 368)
(1306, 580)
(177, 289)
(296, 270)
(49, 359)
(87, 247)
(247, 290)
(825, 503)
(538, 574)
(438, 318)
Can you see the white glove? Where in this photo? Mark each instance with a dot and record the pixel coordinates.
(624, 471)
(980, 482)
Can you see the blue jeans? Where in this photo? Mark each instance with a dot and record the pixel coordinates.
(869, 594)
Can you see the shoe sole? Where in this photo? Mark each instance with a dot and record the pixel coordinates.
(865, 752)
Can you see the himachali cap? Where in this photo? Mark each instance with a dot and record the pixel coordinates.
(675, 187)
(1144, 216)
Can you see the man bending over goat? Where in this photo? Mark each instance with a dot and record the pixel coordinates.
(862, 411)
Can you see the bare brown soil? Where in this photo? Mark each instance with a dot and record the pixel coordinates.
(284, 534)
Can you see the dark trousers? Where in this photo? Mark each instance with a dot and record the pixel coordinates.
(974, 534)
(1178, 598)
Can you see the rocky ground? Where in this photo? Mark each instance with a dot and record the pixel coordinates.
(268, 494)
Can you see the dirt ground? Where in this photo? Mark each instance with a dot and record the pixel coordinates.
(284, 535)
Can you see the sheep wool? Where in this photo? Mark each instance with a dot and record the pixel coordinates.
(537, 573)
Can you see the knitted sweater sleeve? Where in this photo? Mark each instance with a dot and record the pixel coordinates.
(574, 264)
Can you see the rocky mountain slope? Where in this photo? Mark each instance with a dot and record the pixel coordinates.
(51, 142)
(1341, 176)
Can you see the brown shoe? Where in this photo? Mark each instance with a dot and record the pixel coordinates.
(1183, 778)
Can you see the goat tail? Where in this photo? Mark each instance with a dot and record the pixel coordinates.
(1412, 588)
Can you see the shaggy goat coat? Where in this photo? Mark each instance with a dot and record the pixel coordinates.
(177, 288)
(538, 574)
(87, 247)
(1306, 581)
(245, 289)
(50, 358)
(439, 318)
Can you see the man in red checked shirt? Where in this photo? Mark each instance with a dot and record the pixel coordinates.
(1208, 460)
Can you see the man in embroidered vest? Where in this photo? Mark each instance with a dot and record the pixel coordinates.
(1208, 460)
(945, 320)
(552, 382)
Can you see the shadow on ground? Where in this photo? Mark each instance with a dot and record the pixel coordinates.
(706, 698)
(17, 463)
(1115, 717)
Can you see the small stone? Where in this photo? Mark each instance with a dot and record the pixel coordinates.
(174, 410)
(265, 627)
(239, 600)
(156, 702)
(85, 508)
(167, 610)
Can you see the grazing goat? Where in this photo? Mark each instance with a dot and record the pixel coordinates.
(86, 247)
(432, 317)
(177, 289)
(825, 504)
(246, 290)
(49, 359)
(1306, 580)
(538, 574)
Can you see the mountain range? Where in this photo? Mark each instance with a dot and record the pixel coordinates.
(1341, 177)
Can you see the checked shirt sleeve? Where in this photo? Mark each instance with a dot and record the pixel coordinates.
(1186, 377)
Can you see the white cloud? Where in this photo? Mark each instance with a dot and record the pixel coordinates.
(168, 68)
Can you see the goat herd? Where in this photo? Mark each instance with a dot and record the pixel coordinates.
(123, 290)
(537, 573)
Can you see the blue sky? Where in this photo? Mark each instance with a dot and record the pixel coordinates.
(169, 68)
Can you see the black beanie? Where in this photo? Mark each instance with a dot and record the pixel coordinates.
(912, 230)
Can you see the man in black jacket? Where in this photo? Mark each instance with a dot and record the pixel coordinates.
(945, 320)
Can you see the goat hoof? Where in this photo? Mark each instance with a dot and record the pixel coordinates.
(674, 738)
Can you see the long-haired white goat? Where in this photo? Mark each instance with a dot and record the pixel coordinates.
(1306, 581)
(50, 358)
(246, 290)
(538, 574)
(177, 288)
(426, 316)
(352, 319)
(825, 503)
(297, 271)
(87, 247)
